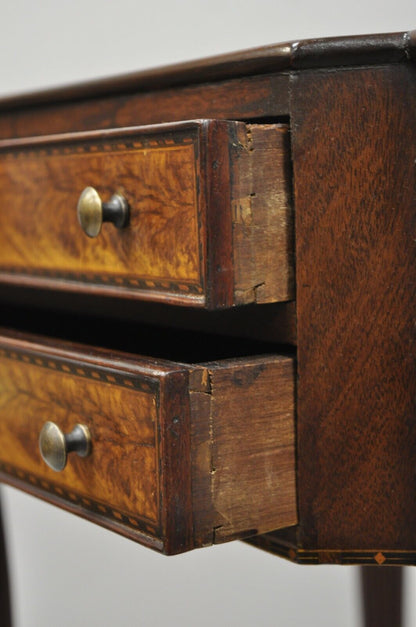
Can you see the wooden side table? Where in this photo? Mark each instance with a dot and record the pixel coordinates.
(296, 177)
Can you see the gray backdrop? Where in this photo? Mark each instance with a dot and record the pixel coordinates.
(67, 572)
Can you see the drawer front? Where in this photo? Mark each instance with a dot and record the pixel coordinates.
(209, 211)
(175, 462)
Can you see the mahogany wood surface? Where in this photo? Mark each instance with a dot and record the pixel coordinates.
(246, 98)
(349, 104)
(324, 52)
(244, 85)
(210, 220)
(146, 428)
(354, 150)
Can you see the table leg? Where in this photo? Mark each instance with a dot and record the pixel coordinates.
(5, 611)
(382, 595)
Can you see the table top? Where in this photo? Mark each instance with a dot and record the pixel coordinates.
(308, 53)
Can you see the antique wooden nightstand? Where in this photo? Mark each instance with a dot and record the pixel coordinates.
(207, 285)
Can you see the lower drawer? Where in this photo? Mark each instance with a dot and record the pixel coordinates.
(181, 456)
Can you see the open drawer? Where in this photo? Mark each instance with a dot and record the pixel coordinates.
(200, 213)
(180, 455)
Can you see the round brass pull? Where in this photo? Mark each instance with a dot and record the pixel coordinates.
(55, 445)
(92, 211)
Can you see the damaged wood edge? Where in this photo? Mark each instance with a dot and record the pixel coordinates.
(262, 214)
(202, 458)
(207, 521)
(243, 468)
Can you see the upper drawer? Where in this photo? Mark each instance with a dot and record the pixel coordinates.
(182, 455)
(209, 213)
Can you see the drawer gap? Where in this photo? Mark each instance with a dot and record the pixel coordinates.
(144, 339)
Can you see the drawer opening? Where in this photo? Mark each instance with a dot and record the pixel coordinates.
(267, 119)
(165, 342)
(273, 322)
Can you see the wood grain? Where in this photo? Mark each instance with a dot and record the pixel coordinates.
(353, 153)
(175, 463)
(244, 454)
(157, 254)
(324, 52)
(354, 194)
(262, 215)
(180, 182)
(248, 85)
(235, 99)
(353, 149)
(122, 472)
(147, 477)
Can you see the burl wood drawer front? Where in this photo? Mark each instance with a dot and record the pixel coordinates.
(210, 218)
(182, 455)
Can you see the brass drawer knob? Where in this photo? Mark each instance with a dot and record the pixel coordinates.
(55, 445)
(92, 211)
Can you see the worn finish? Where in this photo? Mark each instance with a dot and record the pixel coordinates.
(181, 183)
(243, 85)
(263, 246)
(243, 447)
(349, 104)
(138, 479)
(245, 98)
(335, 51)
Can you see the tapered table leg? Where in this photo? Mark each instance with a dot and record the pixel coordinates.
(5, 611)
(382, 596)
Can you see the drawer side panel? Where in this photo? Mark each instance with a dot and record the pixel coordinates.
(244, 464)
(263, 229)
